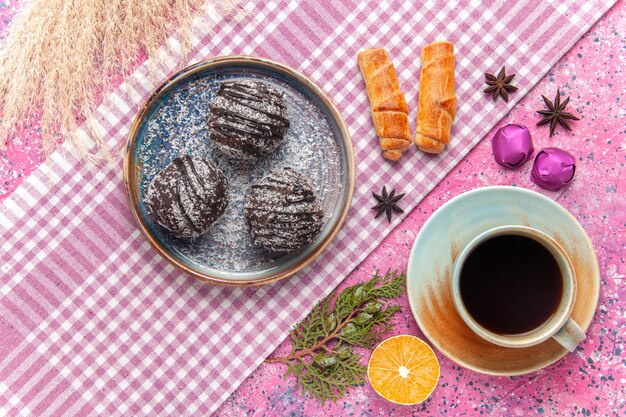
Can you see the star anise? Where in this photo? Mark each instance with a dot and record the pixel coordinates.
(500, 85)
(555, 113)
(387, 203)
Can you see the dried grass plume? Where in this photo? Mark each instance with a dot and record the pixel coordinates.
(60, 56)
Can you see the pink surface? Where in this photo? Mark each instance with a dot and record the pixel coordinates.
(23, 154)
(590, 381)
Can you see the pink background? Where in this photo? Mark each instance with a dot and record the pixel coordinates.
(588, 382)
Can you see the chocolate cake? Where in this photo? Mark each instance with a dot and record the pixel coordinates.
(187, 196)
(248, 119)
(283, 212)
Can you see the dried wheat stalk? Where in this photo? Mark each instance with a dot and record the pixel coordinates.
(59, 57)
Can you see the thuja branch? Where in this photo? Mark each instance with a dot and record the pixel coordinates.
(322, 357)
(319, 345)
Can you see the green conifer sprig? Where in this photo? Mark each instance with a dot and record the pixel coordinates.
(322, 359)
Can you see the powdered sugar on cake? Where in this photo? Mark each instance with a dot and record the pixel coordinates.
(283, 212)
(180, 127)
(187, 196)
(248, 119)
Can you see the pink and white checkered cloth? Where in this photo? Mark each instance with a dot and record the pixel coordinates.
(94, 322)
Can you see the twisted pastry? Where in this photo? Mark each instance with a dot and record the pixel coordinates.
(387, 103)
(437, 101)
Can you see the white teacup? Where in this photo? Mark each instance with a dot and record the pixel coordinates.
(559, 326)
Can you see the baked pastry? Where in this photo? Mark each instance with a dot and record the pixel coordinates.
(283, 212)
(437, 101)
(387, 103)
(248, 119)
(187, 196)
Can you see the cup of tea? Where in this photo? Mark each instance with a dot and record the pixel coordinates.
(514, 286)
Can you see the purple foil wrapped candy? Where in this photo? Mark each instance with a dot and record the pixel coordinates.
(553, 169)
(512, 146)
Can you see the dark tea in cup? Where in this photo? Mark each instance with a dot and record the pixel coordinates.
(515, 286)
(511, 284)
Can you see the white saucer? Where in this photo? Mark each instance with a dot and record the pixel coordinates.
(447, 232)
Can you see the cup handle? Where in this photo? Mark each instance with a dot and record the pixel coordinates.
(570, 335)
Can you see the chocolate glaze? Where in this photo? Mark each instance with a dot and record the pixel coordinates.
(283, 212)
(187, 196)
(248, 119)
